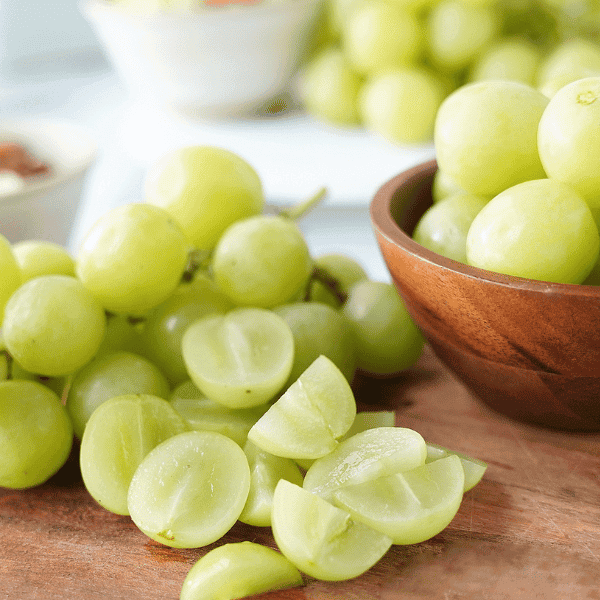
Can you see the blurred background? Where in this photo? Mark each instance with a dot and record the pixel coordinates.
(312, 93)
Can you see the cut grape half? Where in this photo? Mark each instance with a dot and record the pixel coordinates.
(473, 467)
(321, 540)
(307, 420)
(409, 507)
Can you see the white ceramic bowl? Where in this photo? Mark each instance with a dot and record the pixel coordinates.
(46, 206)
(216, 60)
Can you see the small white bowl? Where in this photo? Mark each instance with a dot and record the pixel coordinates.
(45, 207)
(208, 61)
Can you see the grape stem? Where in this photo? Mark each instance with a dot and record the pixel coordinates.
(300, 210)
(331, 283)
(196, 259)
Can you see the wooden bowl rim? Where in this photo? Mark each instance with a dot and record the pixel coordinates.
(388, 228)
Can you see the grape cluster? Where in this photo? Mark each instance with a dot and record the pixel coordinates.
(203, 359)
(517, 190)
(388, 64)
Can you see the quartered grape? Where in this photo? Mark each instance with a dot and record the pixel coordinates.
(473, 467)
(237, 570)
(240, 359)
(118, 435)
(190, 490)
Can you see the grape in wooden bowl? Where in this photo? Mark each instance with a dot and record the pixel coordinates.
(528, 349)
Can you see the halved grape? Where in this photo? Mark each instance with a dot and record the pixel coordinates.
(36, 434)
(309, 417)
(321, 540)
(409, 507)
(240, 359)
(190, 490)
(118, 435)
(265, 471)
(40, 257)
(237, 570)
(364, 457)
(473, 467)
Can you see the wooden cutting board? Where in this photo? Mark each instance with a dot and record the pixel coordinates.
(530, 530)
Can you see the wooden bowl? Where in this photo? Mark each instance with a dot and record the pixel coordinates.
(528, 349)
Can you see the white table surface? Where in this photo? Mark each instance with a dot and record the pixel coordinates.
(293, 153)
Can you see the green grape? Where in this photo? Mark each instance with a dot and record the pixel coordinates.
(369, 420)
(321, 540)
(165, 325)
(444, 226)
(401, 103)
(53, 325)
(539, 229)
(364, 457)
(457, 32)
(309, 417)
(36, 434)
(341, 272)
(486, 136)
(262, 261)
(473, 468)
(568, 141)
(132, 258)
(122, 334)
(386, 338)
(409, 507)
(237, 570)
(319, 329)
(378, 35)
(116, 438)
(240, 359)
(443, 186)
(10, 273)
(205, 189)
(38, 257)
(190, 490)
(266, 470)
(202, 414)
(514, 59)
(109, 376)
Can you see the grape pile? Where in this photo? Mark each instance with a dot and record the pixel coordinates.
(538, 215)
(388, 64)
(203, 359)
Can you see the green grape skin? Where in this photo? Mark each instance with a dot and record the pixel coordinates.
(318, 329)
(190, 490)
(320, 539)
(567, 138)
(400, 104)
(116, 438)
(369, 420)
(329, 88)
(262, 261)
(206, 189)
(36, 434)
(343, 271)
(165, 325)
(238, 570)
(265, 472)
(474, 469)
(53, 325)
(444, 226)
(240, 359)
(378, 35)
(108, 376)
(456, 33)
(486, 124)
(132, 258)
(10, 273)
(40, 257)
(386, 338)
(540, 230)
(443, 186)
(122, 334)
(202, 414)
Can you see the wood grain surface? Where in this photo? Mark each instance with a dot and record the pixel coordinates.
(529, 531)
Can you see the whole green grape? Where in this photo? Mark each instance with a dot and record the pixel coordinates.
(386, 338)
(337, 273)
(443, 186)
(206, 189)
(538, 229)
(36, 434)
(40, 257)
(53, 325)
(262, 261)
(132, 258)
(10, 273)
